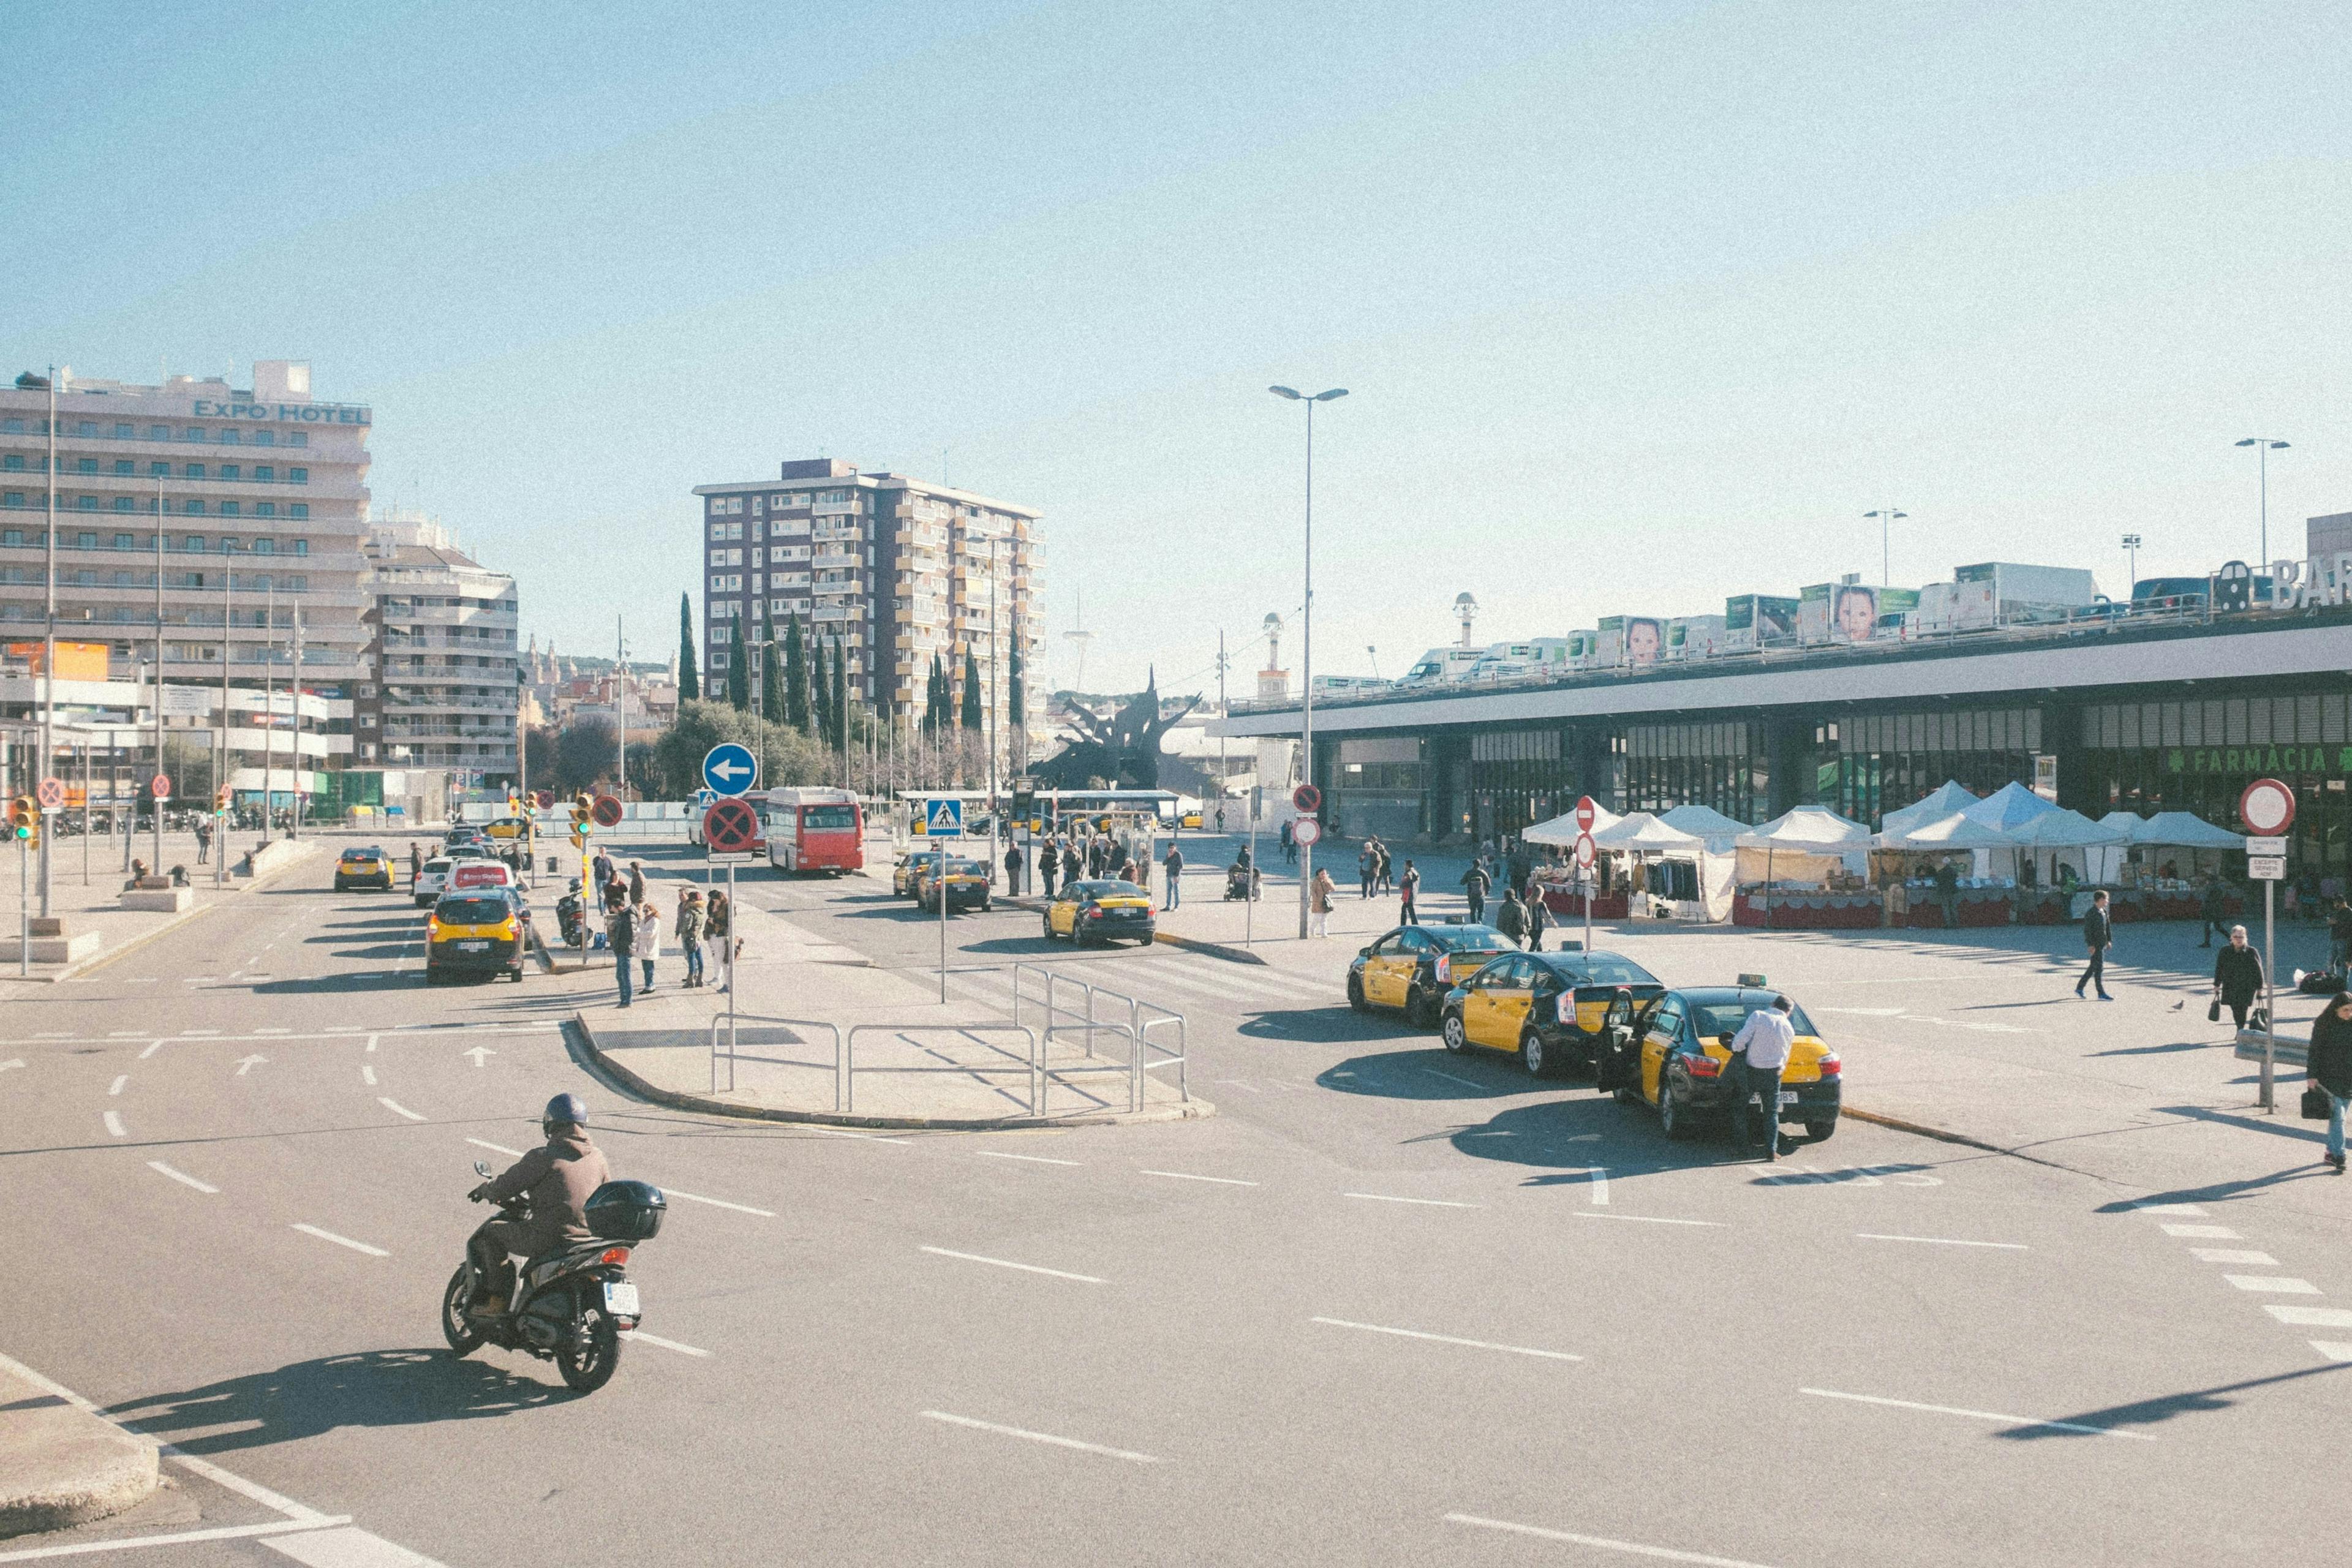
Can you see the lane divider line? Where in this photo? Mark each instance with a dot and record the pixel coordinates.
(182, 1177)
(153, 1047)
(1187, 1176)
(1601, 1542)
(182, 1537)
(1600, 1186)
(114, 1125)
(343, 1241)
(720, 1203)
(1654, 1219)
(367, 1075)
(496, 1148)
(1023, 1268)
(1023, 1432)
(666, 1344)
(399, 1109)
(1446, 1338)
(1979, 1415)
(1033, 1159)
(1943, 1241)
(116, 1086)
(1430, 1202)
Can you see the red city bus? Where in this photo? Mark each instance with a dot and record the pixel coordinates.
(814, 830)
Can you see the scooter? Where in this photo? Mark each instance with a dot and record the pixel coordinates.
(571, 1306)
(567, 915)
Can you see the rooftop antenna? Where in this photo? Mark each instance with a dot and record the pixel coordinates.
(1467, 608)
(1080, 636)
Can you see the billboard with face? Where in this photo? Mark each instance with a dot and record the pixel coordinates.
(1645, 640)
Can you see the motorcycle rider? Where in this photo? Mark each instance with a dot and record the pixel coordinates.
(559, 1175)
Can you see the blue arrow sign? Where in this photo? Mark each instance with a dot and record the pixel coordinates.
(943, 818)
(729, 769)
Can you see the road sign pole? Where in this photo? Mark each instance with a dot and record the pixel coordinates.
(729, 958)
(2269, 999)
(25, 908)
(940, 888)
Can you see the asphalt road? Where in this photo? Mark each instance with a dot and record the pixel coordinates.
(1389, 1306)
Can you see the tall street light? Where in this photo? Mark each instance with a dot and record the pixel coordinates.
(2131, 570)
(1887, 518)
(1306, 647)
(2264, 447)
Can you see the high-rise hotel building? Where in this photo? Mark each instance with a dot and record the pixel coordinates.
(899, 570)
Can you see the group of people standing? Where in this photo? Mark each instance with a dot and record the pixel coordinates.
(1126, 855)
(702, 922)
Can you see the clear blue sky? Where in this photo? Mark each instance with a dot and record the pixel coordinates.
(1641, 304)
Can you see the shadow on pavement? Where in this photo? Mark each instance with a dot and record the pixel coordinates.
(2216, 1192)
(1432, 1073)
(309, 1398)
(2167, 1407)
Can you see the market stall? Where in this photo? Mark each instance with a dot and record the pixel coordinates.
(2053, 853)
(1719, 835)
(1945, 798)
(1668, 874)
(1906, 863)
(2160, 874)
(1804, 869)
(1562, 894)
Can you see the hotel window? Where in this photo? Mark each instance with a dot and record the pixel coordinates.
(265, 475)
(14, 426)
(298, 438)
(264, 546)
(87, 503)
(85, 465)
(123, 433)
(125, 466)
(195, 543)
(231, 471)
(13, 462)
(159, 470)
(299, 509)
(195, 508)
(228, 437)
(16, 497)
(125, 540)
(229, 508)
(86, 427)
(193, 471)
(122, 503)
(85, 540)
(757, 507)
(298, 476)
(265, 509)
(264, 438)
(159, 432)
(193, 433)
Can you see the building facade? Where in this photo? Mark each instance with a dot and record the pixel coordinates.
(899, 571)
(441, 683)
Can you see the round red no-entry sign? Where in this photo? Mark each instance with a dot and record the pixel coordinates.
(1586, 813)
(1586, 852)
(730, 827)
(2267, 808)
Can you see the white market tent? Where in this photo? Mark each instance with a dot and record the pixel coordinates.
(1949, 796)
(1721, 832)
(2174, 829)
(1958, 831)
(2009, 807)
(1562, 829)
(2069, 835)
(1642, 834)
(1805, 845)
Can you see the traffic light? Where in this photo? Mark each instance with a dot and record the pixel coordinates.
(220, 798)
(580, 824)
(25, 821)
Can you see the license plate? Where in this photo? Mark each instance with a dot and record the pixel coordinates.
(473, 947)
(1787, 1098)
(621, 1298)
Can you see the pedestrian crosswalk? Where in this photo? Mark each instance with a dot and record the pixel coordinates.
(1181, 983)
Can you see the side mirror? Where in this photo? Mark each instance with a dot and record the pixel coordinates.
(1723, 1040)
(482, 1169)
(1363, 953)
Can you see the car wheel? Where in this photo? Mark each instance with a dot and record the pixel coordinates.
(1451, 1032)
(1819, 1132)
(1356, 995)
(986, 905)
(1535, 1056)
(1673, 1117)
(1047, 921)
(515, 974)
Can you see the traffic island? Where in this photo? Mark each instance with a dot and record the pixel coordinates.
(61, 1464)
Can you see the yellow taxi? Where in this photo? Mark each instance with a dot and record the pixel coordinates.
(363, 868)
(967, 884)
(507, 827)
(1674, 1054)
(1413, 967)
(478, 932)
(1100, 911)
(1549, 1009)
(1189, 819)
(908, 868)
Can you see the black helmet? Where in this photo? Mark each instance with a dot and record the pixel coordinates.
(564, 1108)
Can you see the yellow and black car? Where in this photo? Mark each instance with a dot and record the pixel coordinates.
(1100, 911)
(907, 868)
(1413, 967)
(1674, 1057)
(478, 932)
(966, 882)
(1551, 1009)
(365, 867)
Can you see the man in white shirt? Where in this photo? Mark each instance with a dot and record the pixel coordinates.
(1763, 1043)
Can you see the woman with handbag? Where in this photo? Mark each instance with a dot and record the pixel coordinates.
(2237, 977)
(2330, 1067)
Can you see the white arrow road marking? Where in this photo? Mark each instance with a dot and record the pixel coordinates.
(114, 1125)
(477, 1053)
(246, 1064)
(182, 1177)
(343, 1241)
(116, 1086)
(367, 1076)
(399, 1109)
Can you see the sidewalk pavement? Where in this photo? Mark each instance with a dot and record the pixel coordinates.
(96, 909)
(60, 1463)
(952, 1065)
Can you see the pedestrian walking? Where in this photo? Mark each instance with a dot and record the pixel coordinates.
(1474, 883)
(1012, 863)
(1539, 915)
(1366, 862)
(2329, 1066)
(1947, 893)
(1761, 1047)
(2237, 975)
(2098, 935)
(717, 931)
(1289, 846)
(1175, 867)
(2213, 910)
(602, 869)
(2339, 935)
(636, 881)
(649, 943)
(689, 926)
(416, 865)
(1410, 886)
(205, 845)
(1071, 868)
(1511, 919)
(621, 936)
(1319, 901)
(1049, 866)
(1384, 872)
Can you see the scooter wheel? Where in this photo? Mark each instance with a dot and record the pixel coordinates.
(455, 1326)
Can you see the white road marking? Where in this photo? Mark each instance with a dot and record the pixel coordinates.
(1599, 1175)
(846, 1133)
(720, 1203)
(1865, 1012)
(1040, 1438)
(273, 1030)
(1654, 1219)
(54, 1035)
(2231, 1255)
(2310, 1317)
(2152, 1206)
(153, 1047)
(1466, 1083)
(477, 1053)
(399, 1109)
(1249, 1089)
(11, 1062)
(182, 1177)
(1188, 1176)
(195, 1033)
(2334, 1349)
(345, 1548)
(123, 1034)
(496, 1148)
(1446, 1338)
(265, 1533)
(246, 1064)
(2204, 1232)
(1601, 1542)
(367, 1075)
(1943, 1241)
(1024, 1267)
(114, 1125)
(116, 1086)
(1430, 1202)
(1033, 1159)
(371, 1045)
(2273, 1284)
(666, 1344)
(1979, 1415)
(343, 1241)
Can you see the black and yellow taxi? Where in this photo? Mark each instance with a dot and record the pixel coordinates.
(367, 866)
(1550, 1009)
(965, 882)
(1413, 967)
(1100, 911)
(506, 829)
(907, 868)
(481, 931)
(1673, 1057)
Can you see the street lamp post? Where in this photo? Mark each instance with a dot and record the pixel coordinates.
(1306, 647)
(2264, 447)
(1887, 517)
(49, 634)
(2131, 569)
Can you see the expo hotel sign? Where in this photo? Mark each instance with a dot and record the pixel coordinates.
(292, 413)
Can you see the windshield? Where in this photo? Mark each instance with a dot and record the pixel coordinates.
(362, 854)
(471, 911)
(437, 867)
(1607, 971)
(1457, 939)
(828, 819)
(1713, 1018)
(967, 868)
(1106, 890)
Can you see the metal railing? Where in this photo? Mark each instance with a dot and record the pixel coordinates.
(1030, 1064)
(1141, 1018)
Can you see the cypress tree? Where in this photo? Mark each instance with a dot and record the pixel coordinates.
(772, 684)
(971, 718)
(1016, 696)
(931, 698)
(689, 657)
(739, 669)
(822, 694)
(796, 676)
(840, 704)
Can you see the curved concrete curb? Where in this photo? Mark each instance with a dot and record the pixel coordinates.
(1921, 1130)
(60, 1463)
(680, 1100)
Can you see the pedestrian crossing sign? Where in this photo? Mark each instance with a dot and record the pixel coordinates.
(943, 818)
